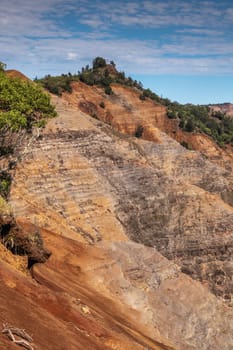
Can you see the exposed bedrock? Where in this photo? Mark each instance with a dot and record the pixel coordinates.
(92, 183)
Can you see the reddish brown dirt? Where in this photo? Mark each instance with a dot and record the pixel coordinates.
(61, 310)
(127, 113)
(16, 74)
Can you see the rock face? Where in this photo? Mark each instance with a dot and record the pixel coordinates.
(127, 113)
(112, 295)
(97, 187)
(83, 180)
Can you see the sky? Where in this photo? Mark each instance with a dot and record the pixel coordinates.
(180, 49)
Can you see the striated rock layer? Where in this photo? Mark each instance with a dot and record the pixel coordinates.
(83, 180)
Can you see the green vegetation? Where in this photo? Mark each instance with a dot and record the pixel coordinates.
(147, 93)
(196, 118)
(57, 85)
(100, 74)
(103, 74)
(23, 104)
(99, 62)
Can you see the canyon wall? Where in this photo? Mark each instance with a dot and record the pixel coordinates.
(84, 180)
(139, 230)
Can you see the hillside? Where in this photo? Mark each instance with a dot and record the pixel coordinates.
(127, 113)
(127, 234)
(186, 119)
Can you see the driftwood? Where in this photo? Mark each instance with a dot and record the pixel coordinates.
(18, 336)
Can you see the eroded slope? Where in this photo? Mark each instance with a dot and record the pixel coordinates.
(113, 295)
(84, 180)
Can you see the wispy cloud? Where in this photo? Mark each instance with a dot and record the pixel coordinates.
(158, 13)
(141, 36)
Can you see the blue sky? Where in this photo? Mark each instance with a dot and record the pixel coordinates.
(180, 49)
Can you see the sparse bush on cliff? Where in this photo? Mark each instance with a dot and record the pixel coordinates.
(198, 118)
(101, 74)
(108, 90)
(147, 93)
(57, 85)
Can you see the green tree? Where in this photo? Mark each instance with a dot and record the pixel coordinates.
(22, 104)
(99, 62)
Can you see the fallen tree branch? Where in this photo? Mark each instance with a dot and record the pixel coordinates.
(23, 339)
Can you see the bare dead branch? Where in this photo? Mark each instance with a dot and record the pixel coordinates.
(23, 339)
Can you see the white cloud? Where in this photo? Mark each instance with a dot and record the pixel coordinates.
(132, 56)
(53, 35)
(72, 56)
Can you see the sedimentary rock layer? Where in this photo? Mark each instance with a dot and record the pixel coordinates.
(83, 179)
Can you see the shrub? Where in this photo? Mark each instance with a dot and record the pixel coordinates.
(108, 90)
(171, 114)
(99, 62)
(57, 85)
(142, 97)
(189, 126)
